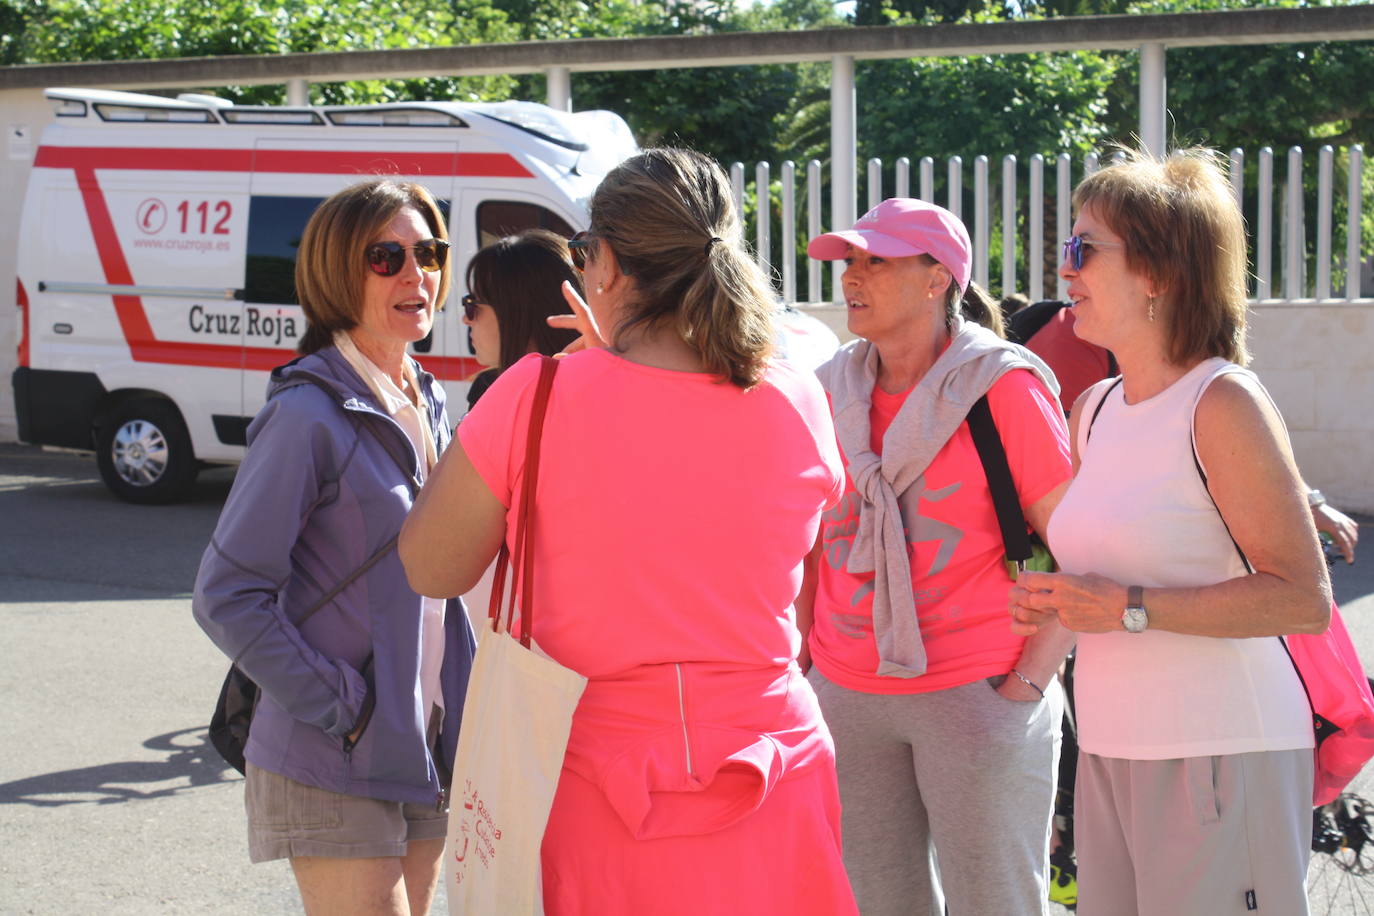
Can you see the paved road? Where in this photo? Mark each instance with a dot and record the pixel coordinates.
(110, 800)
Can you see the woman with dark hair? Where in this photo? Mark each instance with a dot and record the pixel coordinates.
(1184, 540)
(362, 680)
(514, 286)
(946, 723)
(683, 479)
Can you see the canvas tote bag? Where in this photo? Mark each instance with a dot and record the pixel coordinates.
(516, 721)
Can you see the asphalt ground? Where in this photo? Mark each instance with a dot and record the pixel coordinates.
(111, 802)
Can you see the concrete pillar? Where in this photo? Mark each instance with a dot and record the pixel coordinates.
(844, 155)
(1152, 98)
(559, 88)
(297, 92)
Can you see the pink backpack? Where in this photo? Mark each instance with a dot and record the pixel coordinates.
(1342, 705)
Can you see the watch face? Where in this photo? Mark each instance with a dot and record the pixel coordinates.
(1135, 620)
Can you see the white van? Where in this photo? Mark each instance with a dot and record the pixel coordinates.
(157, 249)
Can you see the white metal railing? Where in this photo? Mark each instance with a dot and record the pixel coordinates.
(1021, 252)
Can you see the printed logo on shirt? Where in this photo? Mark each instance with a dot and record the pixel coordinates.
(840, 525)
(921, 528)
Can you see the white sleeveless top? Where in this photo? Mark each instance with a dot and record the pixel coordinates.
(1138, 512)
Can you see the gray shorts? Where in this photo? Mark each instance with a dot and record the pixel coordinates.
(288, 819)
(1194, 836)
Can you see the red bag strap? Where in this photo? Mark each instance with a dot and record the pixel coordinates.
(522, 581)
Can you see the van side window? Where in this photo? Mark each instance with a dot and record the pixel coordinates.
(498, 218)
(275, 227)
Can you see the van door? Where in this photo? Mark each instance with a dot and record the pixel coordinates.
(291, 176)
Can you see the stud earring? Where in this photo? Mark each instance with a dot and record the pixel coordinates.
(601, 289)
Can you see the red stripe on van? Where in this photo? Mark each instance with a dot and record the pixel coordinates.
(128, 309)
(306, 162)
(21, 298)
(144, 346)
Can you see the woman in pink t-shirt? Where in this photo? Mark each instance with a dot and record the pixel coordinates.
(683, 479)
(946, 723)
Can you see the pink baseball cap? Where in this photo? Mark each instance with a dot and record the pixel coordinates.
(899, 228)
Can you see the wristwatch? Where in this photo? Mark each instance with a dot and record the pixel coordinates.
(1134, 618)
(1315, 499)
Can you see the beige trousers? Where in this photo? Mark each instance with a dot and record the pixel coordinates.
(1194, 836)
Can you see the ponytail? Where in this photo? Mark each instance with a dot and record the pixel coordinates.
(978, 306)
(670, 218)
(725, 314)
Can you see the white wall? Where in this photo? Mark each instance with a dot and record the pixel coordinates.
(22, 111)
(1318, 362)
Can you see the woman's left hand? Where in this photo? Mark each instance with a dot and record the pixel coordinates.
(1084, 604)
(580, 320)
(1341, 527)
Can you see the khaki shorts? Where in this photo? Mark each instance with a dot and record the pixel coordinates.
(288, 819)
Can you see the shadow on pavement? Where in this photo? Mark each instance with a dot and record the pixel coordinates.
(191, 763)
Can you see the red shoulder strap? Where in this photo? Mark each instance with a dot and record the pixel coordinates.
(523, 578)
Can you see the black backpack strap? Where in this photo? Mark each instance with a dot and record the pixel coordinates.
(1098, 409)
(333, 593)
(349, 579)
(1010, 518)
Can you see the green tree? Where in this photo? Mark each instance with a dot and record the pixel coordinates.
(84, 30)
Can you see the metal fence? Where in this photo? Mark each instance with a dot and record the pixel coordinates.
(1289, 220)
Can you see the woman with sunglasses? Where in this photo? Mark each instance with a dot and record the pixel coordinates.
(514, 286)
(362, 680)
(1184, 540)
(683, 478)
(946, 723)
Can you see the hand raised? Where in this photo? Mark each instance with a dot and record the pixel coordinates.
(580, 320)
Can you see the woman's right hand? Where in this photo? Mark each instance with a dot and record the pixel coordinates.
(1084, 604)
(580, 320)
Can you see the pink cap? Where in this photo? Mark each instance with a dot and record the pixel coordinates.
(899, 228)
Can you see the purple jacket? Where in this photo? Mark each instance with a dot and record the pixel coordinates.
(327, 480)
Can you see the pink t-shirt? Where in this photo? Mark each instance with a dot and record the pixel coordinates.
(958, 576)
(674, 511)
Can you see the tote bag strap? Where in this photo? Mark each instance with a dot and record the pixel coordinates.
(522, 565)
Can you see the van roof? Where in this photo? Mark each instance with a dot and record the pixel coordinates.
(579, 131)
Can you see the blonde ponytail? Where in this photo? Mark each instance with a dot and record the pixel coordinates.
(669, 216)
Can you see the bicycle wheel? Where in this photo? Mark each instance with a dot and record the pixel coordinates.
(1340, 877)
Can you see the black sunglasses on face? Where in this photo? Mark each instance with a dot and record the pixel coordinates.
(577, 249)
(470, 304)
(387, 258)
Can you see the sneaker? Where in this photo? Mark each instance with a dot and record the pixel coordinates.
(1063, 879)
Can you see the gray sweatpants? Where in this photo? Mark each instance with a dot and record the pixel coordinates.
(1194, 836)
(947, 797)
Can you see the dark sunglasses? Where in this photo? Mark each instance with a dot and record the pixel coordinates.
(1073, 249)
(577, 249)
(387, 258)
(470, 304)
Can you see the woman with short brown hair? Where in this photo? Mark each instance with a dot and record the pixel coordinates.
(362, 680)
(1184, 540)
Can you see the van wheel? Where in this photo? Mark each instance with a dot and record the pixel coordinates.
(144, 452)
